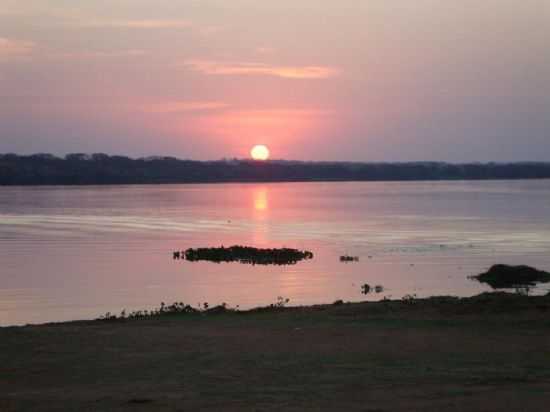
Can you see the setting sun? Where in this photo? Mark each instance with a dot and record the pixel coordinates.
(259, 152)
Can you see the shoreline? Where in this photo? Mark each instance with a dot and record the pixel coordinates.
(489, 352)
(406, 304)
(488, 301)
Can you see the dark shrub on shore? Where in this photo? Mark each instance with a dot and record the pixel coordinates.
(173, 309)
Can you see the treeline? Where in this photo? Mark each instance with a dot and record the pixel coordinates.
(82, 169)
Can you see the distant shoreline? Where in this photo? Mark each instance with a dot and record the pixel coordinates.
(101, 169)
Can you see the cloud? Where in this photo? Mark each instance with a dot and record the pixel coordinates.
(215, 68)
(144, 24)
(101, 54)
(226, 108)
(184, 106)
(15, 48)
(141, 24)
(245, 126)
(281, 113)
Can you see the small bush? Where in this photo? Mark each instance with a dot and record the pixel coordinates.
(281, 302)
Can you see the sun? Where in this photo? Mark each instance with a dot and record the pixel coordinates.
(259, 152)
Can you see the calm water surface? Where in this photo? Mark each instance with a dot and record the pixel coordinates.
(78, 252)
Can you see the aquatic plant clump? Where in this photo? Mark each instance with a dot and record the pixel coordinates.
(347, 259)
(505, 276)
(248, 255)
(366, 289)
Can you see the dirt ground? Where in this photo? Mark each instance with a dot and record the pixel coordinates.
(487, 353)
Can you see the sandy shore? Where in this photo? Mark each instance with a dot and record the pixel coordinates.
(487, 353)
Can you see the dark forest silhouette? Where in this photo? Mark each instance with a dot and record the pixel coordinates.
(81, 169)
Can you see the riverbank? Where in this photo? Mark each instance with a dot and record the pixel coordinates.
(486, 353)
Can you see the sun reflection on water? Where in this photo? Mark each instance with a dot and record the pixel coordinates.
(260, 199)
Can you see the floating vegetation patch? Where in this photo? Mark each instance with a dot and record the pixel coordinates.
(505, 276)
(366, 289)
(347, 259)
(245, 254)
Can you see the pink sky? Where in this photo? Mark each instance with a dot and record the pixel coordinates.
(373, 80)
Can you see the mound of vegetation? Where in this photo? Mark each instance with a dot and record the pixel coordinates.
(505, 276)
(249, 255)
(366, 289)
(347, 258)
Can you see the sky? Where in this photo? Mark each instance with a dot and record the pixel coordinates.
(369, 80)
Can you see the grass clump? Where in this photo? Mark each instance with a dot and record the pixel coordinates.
(176, 308)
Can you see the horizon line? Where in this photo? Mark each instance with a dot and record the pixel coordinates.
(89, 156)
